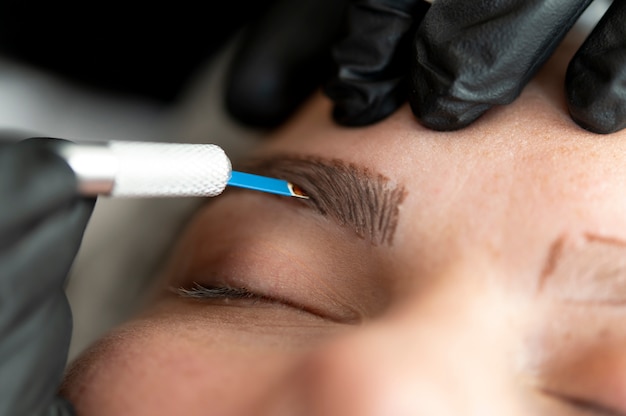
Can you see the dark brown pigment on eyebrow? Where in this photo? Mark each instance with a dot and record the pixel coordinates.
(351, 195)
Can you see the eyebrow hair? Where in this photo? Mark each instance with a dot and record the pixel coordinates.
(353, 196)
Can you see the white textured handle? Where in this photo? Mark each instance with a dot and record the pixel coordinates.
(169, 169)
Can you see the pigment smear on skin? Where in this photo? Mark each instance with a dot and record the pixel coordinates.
(351, 195)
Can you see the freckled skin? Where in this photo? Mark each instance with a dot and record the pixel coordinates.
(452, 322)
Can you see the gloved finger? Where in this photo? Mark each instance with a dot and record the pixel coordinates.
(33, 181)
(59, 407)
(283, 57)
(372, 60)
(37, 248)
(471, 55)
(38, 193)
(596, 77)
(36, 322)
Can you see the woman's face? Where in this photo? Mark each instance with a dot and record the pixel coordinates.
(479, 272)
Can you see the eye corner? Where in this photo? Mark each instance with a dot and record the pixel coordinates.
(584, 405)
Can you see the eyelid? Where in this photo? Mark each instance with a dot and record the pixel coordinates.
(285, 253)
(227, 292)
(585, 405)
(199, 291)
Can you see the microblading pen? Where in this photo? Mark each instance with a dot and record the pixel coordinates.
(154, 169)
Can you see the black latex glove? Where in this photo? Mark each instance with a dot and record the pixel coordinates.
(457, 59)
(42, 221)
(284, 56)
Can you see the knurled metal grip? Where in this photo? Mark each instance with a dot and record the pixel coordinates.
(148, 169)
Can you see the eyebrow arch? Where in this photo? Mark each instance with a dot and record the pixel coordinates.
(589, 269)
(366, 202)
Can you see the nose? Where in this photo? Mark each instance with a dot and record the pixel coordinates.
(442, 354)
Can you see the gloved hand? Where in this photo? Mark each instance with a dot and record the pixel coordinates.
(457, 59)
(42, 221)
(284, 56)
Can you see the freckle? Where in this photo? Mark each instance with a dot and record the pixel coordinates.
(604, 333)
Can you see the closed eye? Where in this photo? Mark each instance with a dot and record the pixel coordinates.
(199, 291)
(227, 293)
(586, 406)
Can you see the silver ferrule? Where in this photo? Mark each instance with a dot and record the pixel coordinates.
(94, 164)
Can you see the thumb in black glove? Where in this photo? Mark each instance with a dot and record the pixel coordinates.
(42, 221)
(460, 58)
(284, 56)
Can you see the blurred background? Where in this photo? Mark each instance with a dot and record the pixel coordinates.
(107, 71)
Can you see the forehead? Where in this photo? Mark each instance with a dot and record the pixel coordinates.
(521, 176)
(529, 150)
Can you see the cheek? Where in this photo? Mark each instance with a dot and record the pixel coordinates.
(148, 368)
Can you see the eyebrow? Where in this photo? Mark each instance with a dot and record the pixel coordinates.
(590, 269)
(353, 196)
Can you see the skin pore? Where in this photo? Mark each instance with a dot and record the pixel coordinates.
(484, 276)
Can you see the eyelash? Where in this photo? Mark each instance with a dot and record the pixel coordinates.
(198, 291)
(592, 408)
(227, 293)
(586, 406)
